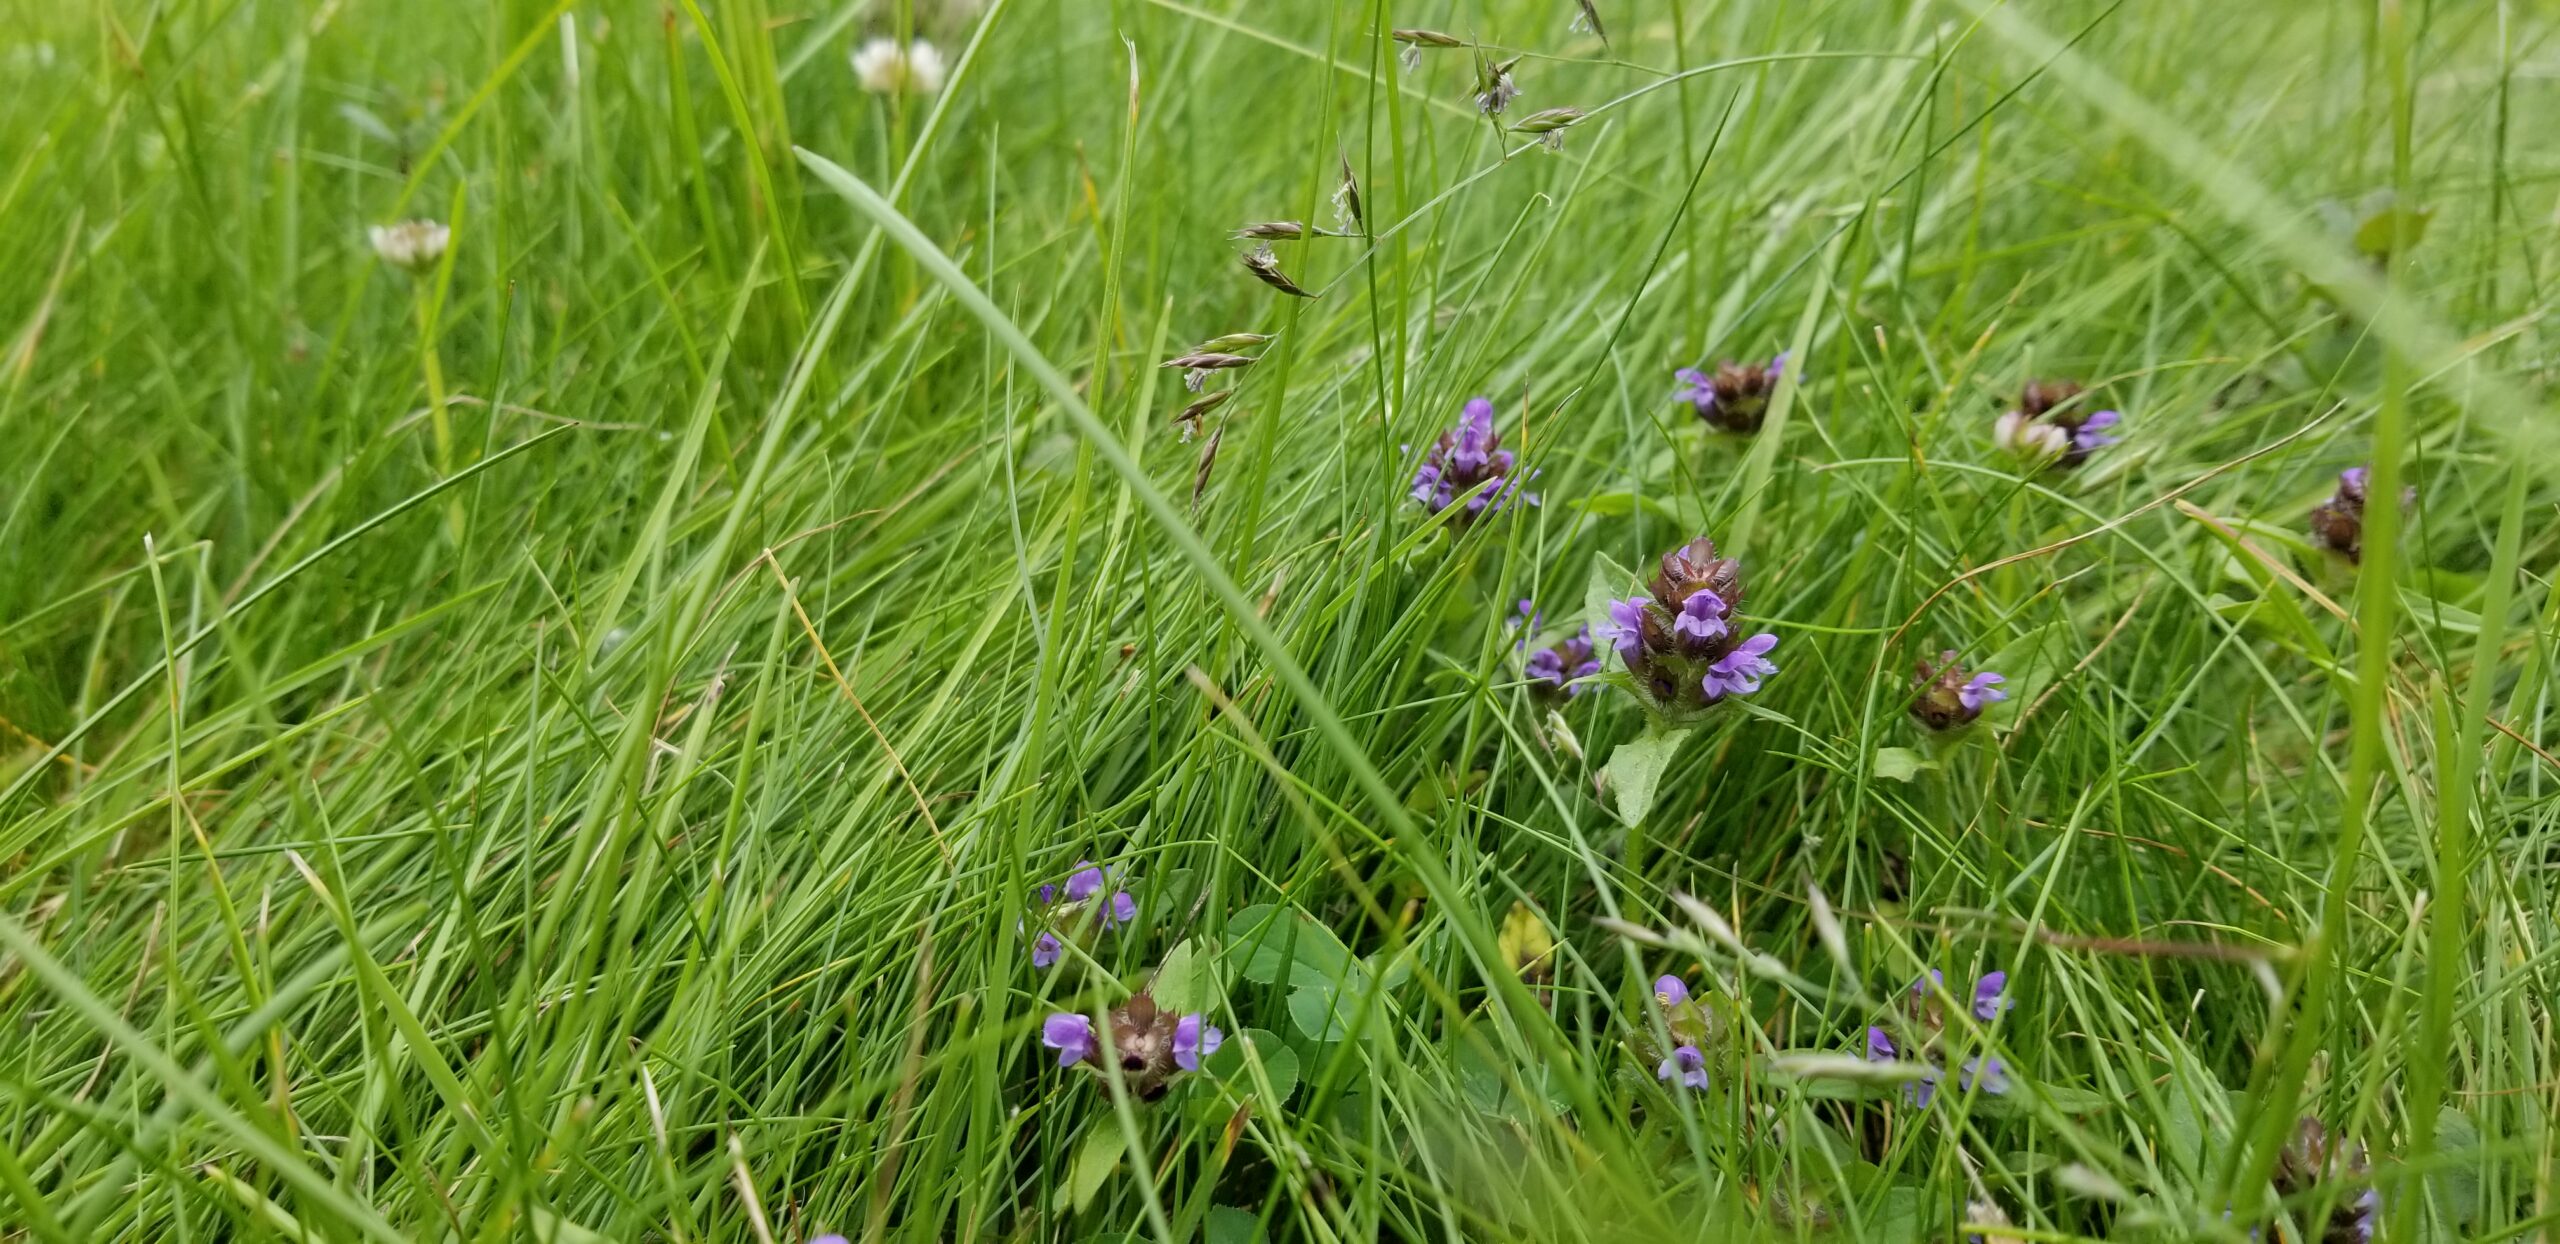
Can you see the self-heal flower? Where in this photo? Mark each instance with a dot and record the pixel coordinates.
(1152, 1045)
(1944, 697)
(2316, 1155)
(1556, 672)
(884, 68)
(1078, 911)
(1670, 991)
(412, 245)
(2337, 524)
(2049, 428)
(1469, 460)
(1071, 1036)
(1739, 672)
(1684, 1065)
(1700, 621)
(1194, 1039)
(1623, 629)
(1734, 397)
(1923, 1009)
(1679, 641)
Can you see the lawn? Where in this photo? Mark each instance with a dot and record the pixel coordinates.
(935, 620)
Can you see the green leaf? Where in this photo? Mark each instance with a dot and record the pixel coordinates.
(1635, 769)
(1279, 1064)
(2377, 233)
(1263, 940)
(2456, 1185)
(1228, 1225)
(1097, 1155)
(1319, 1012)
(1900, 764)
(1189, 979)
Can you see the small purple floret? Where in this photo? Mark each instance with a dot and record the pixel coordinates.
(1739, 672)
(1981, 689)
(1070, 1035)
(1686, 1066)
(1670, 991)
(1193, 1040)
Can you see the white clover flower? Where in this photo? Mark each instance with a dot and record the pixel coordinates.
(887, 69)
(416, 245)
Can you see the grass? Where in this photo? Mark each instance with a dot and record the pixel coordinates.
(562, 746)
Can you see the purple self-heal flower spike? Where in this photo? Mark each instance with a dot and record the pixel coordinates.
(1983, 688)
(1046, 950)
(1124, 909)
(1624, 627)
(1739, 672)
(1686, 1066)
(1670, 991)
(1071, 1035)
(1084, 882)
(1193, 1040)
(1988, 996)
(1701, 617)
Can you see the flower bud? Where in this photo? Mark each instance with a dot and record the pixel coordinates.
(2337, 524)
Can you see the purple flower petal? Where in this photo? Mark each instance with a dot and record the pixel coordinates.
(1124, 909)
(1740, 671)
(1983, 688)
(1879, 1046)
(2354, 478)
(1193, 1040)
(1686, 1066)
(1988, 1073)
(1046, 950)
(1670, 991)
(1624, 627)
(1701, 617)
(1048, 895)
(1988, 1001)
(1084, 882)
(1070, 1035)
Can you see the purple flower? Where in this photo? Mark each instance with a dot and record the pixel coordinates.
(1739, 672)
(1123, 910)
(1981, 689)
(1071, 1036)
(2353, 478)
(1944, 698)
(1989, 1073)
(1046, 950)
(1989, 996)
(1193, 1040)
(1930, 1057)
(1734, 397)
(1670, 991)
(1686, 1066)
(829, 1238)
(1624, 628)
(1085, 882)
(1469, 458)
(1701, 618)
(2088, 438)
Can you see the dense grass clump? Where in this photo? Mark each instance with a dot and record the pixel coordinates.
(1056, 620)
